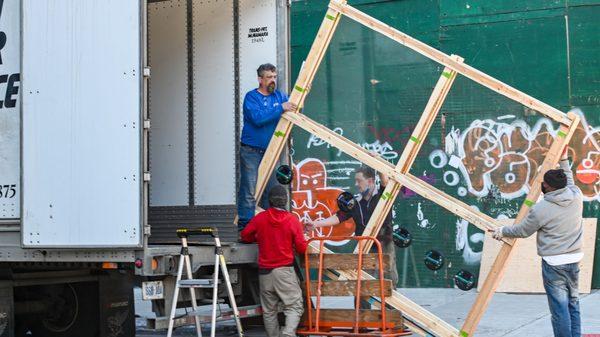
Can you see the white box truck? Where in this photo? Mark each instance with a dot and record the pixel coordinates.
(120, 122)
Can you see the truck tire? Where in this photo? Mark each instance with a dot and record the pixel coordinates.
(73, 311)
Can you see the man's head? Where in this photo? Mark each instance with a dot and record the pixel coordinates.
(364, 180)
(267, 77)
(278, 197)
(554, 180)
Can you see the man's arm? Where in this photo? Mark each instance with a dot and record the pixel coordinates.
(383, 179)
(523, 229)
(258, 113)
(331, 221)
(564, 165)
(248, 235)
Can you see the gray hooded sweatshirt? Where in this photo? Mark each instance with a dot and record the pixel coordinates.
(557, 219)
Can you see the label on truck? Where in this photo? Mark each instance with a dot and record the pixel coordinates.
(153, 290)
(10, 79)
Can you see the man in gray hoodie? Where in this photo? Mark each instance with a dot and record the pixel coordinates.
(557, 219)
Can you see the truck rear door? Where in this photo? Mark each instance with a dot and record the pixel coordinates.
(81, 168)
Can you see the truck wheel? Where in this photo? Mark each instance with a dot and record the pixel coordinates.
(72, 311)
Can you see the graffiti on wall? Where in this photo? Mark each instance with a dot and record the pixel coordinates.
(313, 199)
(491, 158)
(506, 153)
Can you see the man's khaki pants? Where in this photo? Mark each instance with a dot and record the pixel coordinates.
(281, 285)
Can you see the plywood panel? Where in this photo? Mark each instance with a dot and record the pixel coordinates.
(524, 271)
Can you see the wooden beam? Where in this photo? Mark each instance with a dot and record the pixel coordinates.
(345, 317)
(412, 311)
(297, 96)
(463, 69)
(427, 191)
(415, 329)
(497, 271)
(348, 287)
(346, 261)
(391, 191)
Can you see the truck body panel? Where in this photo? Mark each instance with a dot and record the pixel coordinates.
(81, 122)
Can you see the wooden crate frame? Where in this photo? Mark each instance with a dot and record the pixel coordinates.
(417, 318)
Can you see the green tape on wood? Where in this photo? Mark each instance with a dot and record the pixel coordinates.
(279, 133)
(386, 195)
(529, 203)
(299, 88)
(561, 134)
(464, 334)
(415, 139)
(446, 74)
(330, 17)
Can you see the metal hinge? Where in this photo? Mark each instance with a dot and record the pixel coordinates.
(146, 176)
(146, 71)
(146, 124)
(147, 230)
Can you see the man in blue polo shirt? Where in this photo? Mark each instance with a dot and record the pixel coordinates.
(263, 107)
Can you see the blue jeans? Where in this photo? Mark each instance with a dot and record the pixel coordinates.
(561, 284)
(250, 158)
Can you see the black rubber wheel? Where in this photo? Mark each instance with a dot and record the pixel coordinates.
(73, 311)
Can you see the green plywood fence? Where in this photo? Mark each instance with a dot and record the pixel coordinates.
(483, 147)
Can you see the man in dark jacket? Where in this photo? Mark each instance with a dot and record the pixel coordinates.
(278, 234)
(364, 180)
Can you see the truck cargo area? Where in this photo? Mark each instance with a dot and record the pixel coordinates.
(203, 58)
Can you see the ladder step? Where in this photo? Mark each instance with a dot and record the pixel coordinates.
(196, 283)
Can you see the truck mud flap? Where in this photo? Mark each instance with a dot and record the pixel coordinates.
(117, 315)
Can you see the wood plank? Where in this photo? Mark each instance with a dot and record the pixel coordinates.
(524, 273)
(348, 288)
(391, 191)
(463, 69)
(346, 261)
(411, 310)
(497, 271)
(297, 96)
(345, 317)
(417, 185)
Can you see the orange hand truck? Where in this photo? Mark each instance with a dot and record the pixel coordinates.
(333, 322)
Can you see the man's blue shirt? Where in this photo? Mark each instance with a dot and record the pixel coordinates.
(261, 114)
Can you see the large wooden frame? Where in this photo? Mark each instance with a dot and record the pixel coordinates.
(417, 318)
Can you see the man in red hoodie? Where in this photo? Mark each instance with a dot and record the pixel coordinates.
(278, 233)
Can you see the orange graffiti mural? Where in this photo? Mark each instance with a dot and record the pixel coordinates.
(312, 199)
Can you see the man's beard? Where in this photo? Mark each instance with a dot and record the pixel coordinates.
(271, 87)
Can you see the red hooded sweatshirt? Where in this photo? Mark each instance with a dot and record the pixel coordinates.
(278, 233)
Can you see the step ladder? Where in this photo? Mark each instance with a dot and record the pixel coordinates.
(193, 284)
